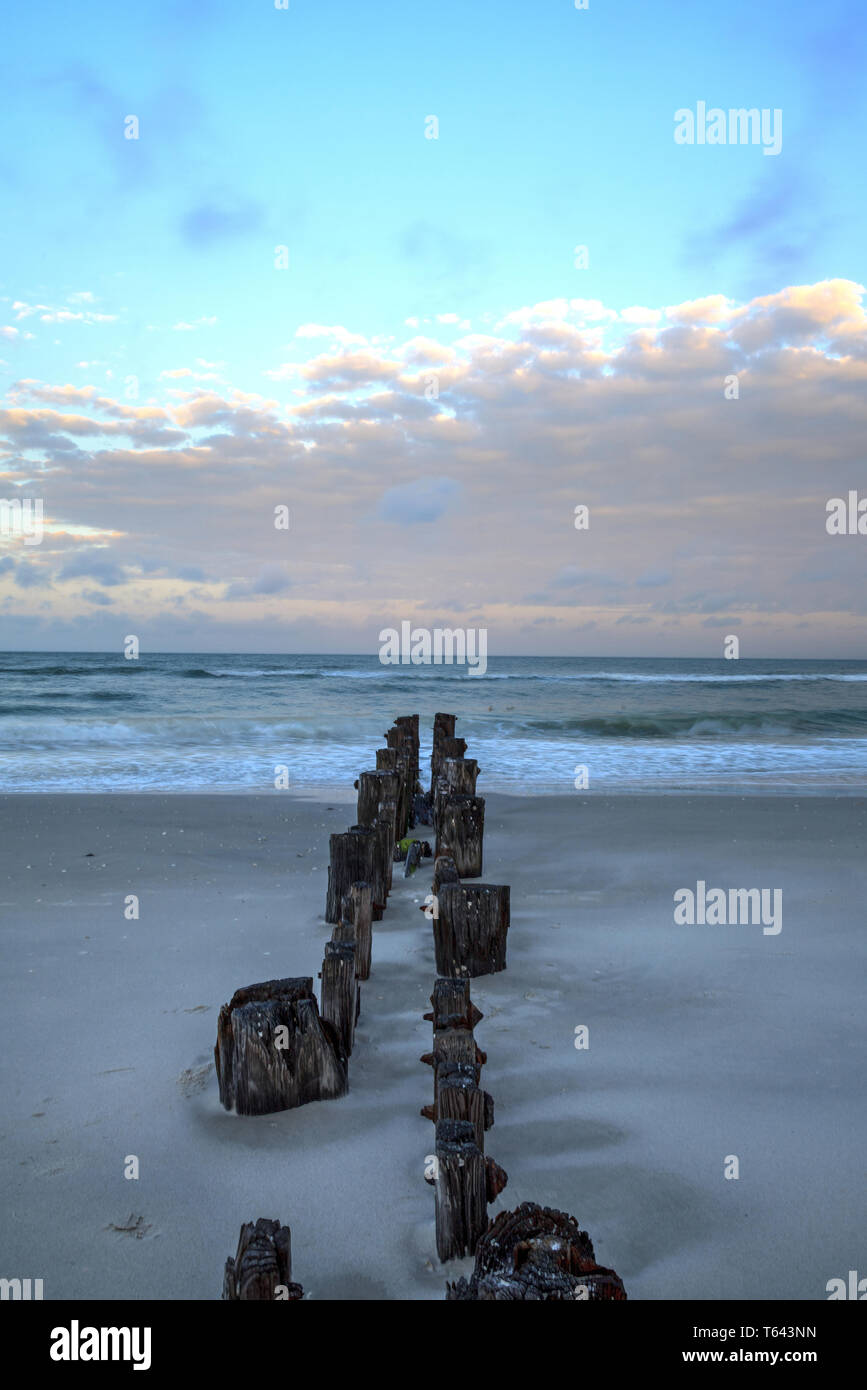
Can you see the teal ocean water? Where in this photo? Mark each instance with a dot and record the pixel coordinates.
(97, 722)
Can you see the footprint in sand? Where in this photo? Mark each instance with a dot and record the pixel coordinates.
(194, 1079)
(133, 1226)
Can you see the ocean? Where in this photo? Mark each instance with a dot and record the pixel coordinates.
(224, 723)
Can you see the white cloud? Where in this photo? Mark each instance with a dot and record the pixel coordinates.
(337, 333)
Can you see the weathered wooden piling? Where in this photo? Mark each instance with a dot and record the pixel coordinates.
(445, 871)
(452, 1006)
(353, 855)
(460, 832)
(262, 1267)
(443, 728)
(456, 777)
(388, 813)
(344, 935)
(453, 1047)
(536, 1254)
(273, 1050)
(459, 774)
(451, 748)
(461, 1192)
(409, 724)
(355, 907)
(383, 863)
(471, 927)
(403, 742)
(459, 1097)
(340, 996)
(406, 767)
(374, 788)
(457, 1060)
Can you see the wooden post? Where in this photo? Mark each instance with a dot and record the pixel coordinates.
(344, 935)
(536, 1254)
(273, 1050)
(456, 777)
(353, 856)
(355, 907)
(409, 724)
(262, 1267)
(460, 833)
(388, 813)
(452, 1006)
(373, 789)
(386, 760)
(461, 1190)
(406, 766)
(471, 927)
(459, 1097)
(455, 1048)
(339, 990)
(445, 871)
(455, 1045)
(452, 748)
(383, 830)
(443, 727)
(460, 774)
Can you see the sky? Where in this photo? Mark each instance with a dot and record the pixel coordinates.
(432, 277)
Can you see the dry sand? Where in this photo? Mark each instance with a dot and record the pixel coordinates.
(704, 1042)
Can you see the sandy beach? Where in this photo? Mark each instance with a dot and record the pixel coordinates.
(705, 1042)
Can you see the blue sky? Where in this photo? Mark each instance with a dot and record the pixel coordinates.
(151, 261)
(306, 128)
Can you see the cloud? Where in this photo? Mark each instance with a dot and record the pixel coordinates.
(93, 564)
(47, 314)
(29, 576)
(272, 579)
(337, 333)
(700, 507)
(422, 500)
(206, 321)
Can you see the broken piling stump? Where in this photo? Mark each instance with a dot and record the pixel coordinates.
(262, 1267)
(471, 927)
(536, 1254)
(273, 1050)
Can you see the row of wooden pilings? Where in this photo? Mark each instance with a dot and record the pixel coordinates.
(276, 1049)
(532, 1253)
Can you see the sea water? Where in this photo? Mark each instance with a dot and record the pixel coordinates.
(164, 722)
